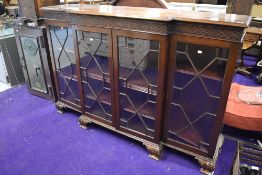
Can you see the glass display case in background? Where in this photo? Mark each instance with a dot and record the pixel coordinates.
(10, 70)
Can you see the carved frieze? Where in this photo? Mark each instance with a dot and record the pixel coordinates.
(220, 32)
(226, 33)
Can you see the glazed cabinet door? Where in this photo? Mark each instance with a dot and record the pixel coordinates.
(35, 61)
(64, 64)
(32, 58)
(200, 74)
(95, 60)
(139, 67)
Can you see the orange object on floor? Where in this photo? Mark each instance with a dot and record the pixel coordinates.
(240, 114)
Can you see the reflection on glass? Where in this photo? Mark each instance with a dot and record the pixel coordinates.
(138, 70)
(33, 63)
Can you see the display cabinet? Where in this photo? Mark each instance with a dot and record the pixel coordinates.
(161, 79)
(11, 72)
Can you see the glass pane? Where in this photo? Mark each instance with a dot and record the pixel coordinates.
(34, 67)
(197, 84)
(94, 64)
(65, 63)
(138, 70)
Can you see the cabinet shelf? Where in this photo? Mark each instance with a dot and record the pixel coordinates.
(74, 78)
(133, 86)
(104, 97)
(133, 101)
(214, 71)
(207, 74)
(68, 77)
(68, 72)
(103, 110)
(138, 127)
(137, 82)
(147, 111)
(147, 127)
(99, 61)
(95, 74)
(96, 70)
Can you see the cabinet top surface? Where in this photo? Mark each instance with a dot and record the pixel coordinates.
(153, 14)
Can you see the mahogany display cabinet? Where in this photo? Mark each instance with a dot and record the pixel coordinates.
(154, 75)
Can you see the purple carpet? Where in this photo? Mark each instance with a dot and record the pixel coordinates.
(36, 140)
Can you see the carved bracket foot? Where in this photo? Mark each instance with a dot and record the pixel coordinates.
(208, 167)
(83, 122)
(83, 126)
(155, 151)
(60, 107)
